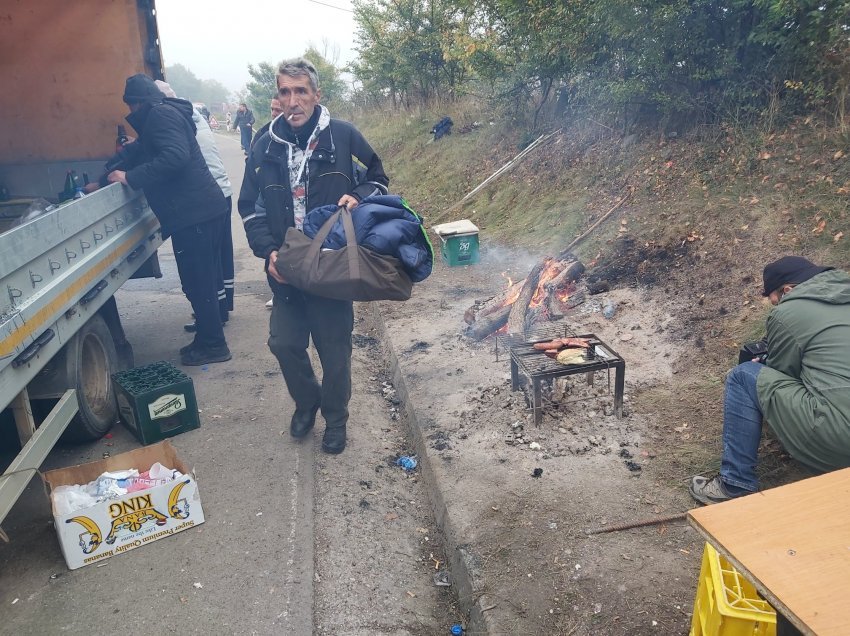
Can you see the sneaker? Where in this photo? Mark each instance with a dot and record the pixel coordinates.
(709, 491)
(270, 304)
(200, 355)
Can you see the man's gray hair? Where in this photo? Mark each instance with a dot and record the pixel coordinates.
(298, 66)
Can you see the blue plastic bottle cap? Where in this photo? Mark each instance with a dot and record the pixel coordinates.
(457, 630)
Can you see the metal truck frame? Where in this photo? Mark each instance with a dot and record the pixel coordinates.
(62, 68)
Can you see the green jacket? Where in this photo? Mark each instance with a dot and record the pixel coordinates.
(804, 391)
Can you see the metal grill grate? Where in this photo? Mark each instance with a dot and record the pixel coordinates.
(539, 333)
(537, 366)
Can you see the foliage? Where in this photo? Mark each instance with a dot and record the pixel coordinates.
(188, 86)
(665, 63)
(261, 89)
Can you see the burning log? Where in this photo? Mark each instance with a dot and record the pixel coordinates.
(493, 305)
(571, 273)
(546, 294)
(486, 325)
(516, 319)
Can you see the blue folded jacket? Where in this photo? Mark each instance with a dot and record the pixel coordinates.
(383, 224)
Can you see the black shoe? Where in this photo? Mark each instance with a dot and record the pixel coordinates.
(192, 327)
(200, 355)
(302, 422)
(334, 440)
(187, 348)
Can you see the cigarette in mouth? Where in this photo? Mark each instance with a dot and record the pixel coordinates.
(290, 117)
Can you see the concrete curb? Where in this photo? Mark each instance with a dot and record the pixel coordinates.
(466, 577)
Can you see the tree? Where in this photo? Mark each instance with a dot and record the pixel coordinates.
(261, 89)
(187, 85)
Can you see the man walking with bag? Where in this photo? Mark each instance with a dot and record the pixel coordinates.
(306, 160)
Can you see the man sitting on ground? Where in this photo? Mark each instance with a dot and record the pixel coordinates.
(802, 390)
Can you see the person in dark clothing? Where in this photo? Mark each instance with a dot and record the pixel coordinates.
(305, 160)
(166, 163)
(244, 122)
(276, 110)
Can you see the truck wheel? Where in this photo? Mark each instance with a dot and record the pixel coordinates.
(91, 360)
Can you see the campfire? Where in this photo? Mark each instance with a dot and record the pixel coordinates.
(546, 294)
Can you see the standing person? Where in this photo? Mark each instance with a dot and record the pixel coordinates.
(275, 110)
(802, 389)
(206, 141)
(166, 163)
(305, 160)
(228, 121)
(244, 124)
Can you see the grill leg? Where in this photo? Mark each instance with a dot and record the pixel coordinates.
(590, 379)
(537, 405)
(514, 375)
(619, 385)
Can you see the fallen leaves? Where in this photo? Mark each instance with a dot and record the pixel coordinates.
(838, 236)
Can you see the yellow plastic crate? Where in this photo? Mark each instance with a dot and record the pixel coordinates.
(727, 604)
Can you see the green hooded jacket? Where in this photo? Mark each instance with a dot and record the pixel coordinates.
(804, 391)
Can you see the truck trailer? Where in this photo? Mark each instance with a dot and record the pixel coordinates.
(62, 68)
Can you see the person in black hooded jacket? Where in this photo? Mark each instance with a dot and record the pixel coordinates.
(166, 163)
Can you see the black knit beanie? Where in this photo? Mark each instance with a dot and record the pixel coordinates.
(141, 88)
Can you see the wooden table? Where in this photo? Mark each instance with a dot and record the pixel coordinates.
(793, 544)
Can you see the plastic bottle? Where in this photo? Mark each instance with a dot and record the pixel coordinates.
(69, 189)
(456, 630)
(122, 138)
(608, 309)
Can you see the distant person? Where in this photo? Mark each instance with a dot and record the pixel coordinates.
(307, 159)
(244, 123)
(802, 389)
(275, 110)
(228, 121)
(167, 164)
(206, 141)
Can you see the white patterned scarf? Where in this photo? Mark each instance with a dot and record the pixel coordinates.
(299, 171)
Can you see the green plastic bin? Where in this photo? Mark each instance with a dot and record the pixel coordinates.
(459, 242)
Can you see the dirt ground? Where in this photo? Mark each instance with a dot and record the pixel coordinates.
(535, 568)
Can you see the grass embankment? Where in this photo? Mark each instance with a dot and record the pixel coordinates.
(707, 211)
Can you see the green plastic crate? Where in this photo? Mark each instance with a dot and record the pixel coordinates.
(156, 401)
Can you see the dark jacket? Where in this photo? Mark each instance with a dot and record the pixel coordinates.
(343, 162)
(244, 120)
(384, 224)
(804, 391)
(166, 163)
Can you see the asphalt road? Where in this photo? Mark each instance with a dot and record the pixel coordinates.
(260, 564)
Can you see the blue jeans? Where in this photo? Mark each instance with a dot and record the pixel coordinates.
(742, 420)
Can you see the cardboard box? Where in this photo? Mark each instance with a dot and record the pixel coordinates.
(117, 525)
